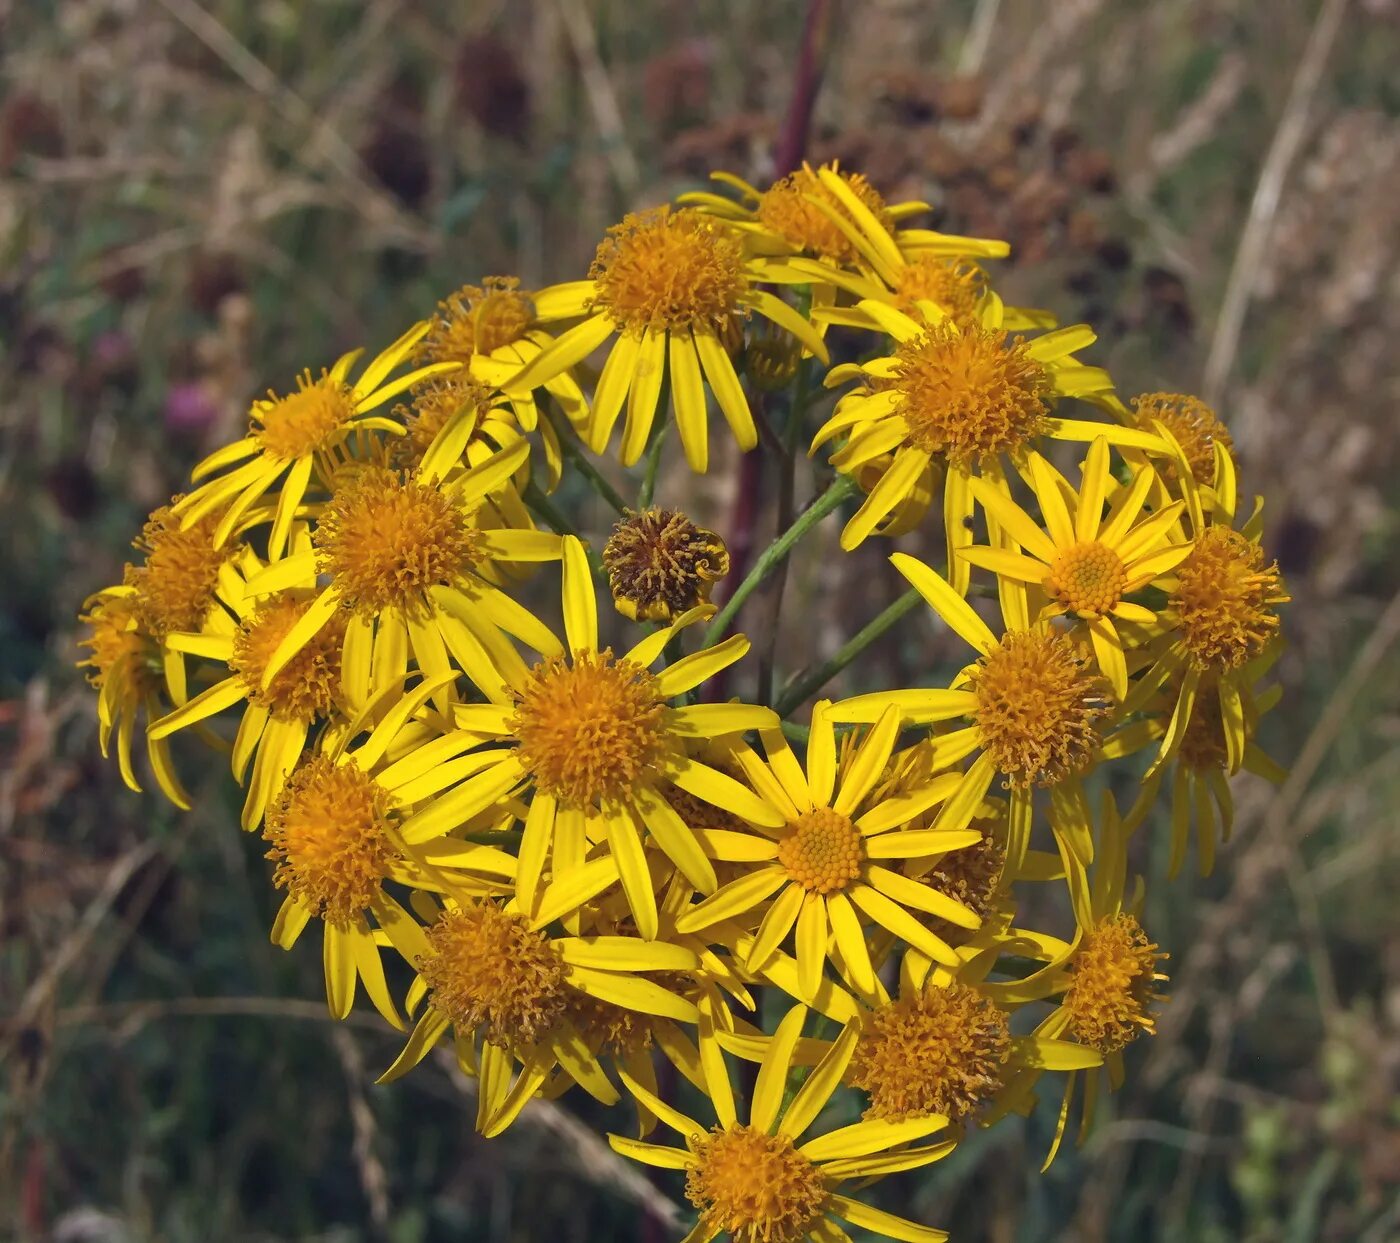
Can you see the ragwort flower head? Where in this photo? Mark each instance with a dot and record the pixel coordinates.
(1193, 425)
(1113, 984)
(174, 587)
(477, 319)
(799, 209)
(1226, 600)
(660, 564)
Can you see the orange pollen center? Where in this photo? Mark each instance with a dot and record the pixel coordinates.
(175, 586)
(299, 423)
(589, 731)
(1113, 984)
(386, 539)
(307, 686)
(1226, 600)
(1087, 579)
(488, 968)
(787, 208)
(660, 564)
(667, 270)
(971, 875)
(1203, 744)
(1038, 703)
(434, 402)
(953, 285)
(822, 850)
(939, 1051)
(328, 836)
(757, 1187)
(477, 319)
(970, 393)
(1194, 426)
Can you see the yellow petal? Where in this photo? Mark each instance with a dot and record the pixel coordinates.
(951, 607)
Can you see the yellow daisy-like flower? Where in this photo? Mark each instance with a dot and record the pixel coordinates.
(173, 588)
(826, 858)
(1221, 617)
(1085, 561)
(669, 289)
(334, 834)
(965, 396)
(511, 991)
(1035, 703)
(409, 569)
(1106, 978)
(126, 667)
(759, 1181)
(288, 431)
(492, 329)
(1192, 424)
(591, 737)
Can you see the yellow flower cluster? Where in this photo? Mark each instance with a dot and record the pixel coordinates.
(539, 836)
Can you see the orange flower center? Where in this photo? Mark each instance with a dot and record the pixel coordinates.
(385, 539)
(488, 968)
(175, 586)
(1226, 600)
(939, 1051)
(970, 394)
(953, 285)
(116, 639)
(302, 422)
(669, 270)
(787, 208)
(1113, 984)
(1194, 426)
(589, 730)
(1087, 579)
(1038, 702)
(756, 1187)
(822, 850)
(477, 319)
(328, 835)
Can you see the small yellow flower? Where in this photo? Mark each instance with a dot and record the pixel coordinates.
(1085, 561)
(668, 288)
(125, 664)
(173, 588)
(760, 1181)
(660, 564)
(1192, 424)
(286, 434)
(826, 859)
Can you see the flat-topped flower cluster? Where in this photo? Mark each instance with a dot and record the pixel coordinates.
(543, 837)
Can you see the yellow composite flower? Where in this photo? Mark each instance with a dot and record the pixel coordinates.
(589, 738)
(823, 862)
(965, 397)
(670, 290)
(512, 991)
(333, 831)
(1106, 978)
(1221, 617)
(287, 433)
(836, 218)
(759, 1181)
(408, 569)
(492, 330)
(1035, 702)
(126, 666)
(1086, 562)
(1200, 780)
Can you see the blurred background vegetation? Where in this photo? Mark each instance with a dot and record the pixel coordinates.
(200, 197)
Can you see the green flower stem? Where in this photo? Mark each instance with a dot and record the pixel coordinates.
(648, 488)
(814, 677)
(772, 556)
(573, 450)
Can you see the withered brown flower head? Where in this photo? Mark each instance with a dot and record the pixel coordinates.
(660, 564)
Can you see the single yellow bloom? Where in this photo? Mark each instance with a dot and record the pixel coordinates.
(1085, 561)
(670, 290)
(759, 1181)
(286, 434)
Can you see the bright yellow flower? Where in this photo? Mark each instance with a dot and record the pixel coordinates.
(513, 992)
(759, 1181)
(334, 832)
(591, 737)
(126, 666)
(1085, 562)
(825, 859)
(670, 289)
(287, 433)
(1035, 704)
(964, 397)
